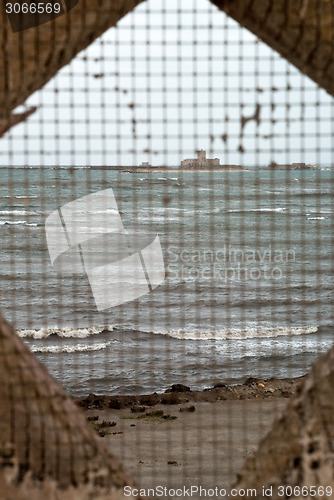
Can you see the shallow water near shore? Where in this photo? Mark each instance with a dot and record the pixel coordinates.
(127, 362)
(248, 288)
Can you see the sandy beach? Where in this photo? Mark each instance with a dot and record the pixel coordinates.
(202, 440)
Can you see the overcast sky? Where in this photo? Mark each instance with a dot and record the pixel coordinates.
(161, 85)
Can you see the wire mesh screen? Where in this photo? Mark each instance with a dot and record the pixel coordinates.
(166, 221)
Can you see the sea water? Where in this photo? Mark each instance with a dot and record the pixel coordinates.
(248, 288)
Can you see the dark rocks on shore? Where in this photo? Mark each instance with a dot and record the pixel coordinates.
(189, 409)
(170, 399)
(179, 388)
(116, 404)
(149, 400)
(181, 394)
(138, 409)
(106, 423)
(250, 381)
(218, 385)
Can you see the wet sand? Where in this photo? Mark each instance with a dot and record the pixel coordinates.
(202, 440)
(206, 447)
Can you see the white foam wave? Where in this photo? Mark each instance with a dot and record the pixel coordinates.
(25, 197)
(316, 218)
(56, 349)
(238, 210)
(17, 223)
(167, 210)
(107, 211)
(222, 334)
(79, 333)
(240, 333)
(159, 218)
(12, 223)
(16, 212)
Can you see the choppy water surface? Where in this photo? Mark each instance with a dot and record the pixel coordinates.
(248, 289)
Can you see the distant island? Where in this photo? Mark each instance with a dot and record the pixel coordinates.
(292, 166)
(200, 164)
(204, 164)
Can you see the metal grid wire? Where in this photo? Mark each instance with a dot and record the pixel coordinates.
(247, 248)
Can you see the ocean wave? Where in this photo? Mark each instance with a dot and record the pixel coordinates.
(18, 223)
(12, 223)
(326, 211)
(56, 349)
(79, 333)
(240, 333)
(16, 212)
(166, 210)
(248, 332)
(316, 218)
(26, 197)
(23, 197)
(241, 211)
(107, 211)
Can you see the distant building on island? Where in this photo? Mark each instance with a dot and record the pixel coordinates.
(204, 163)
(201, 162)
(292, 166)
